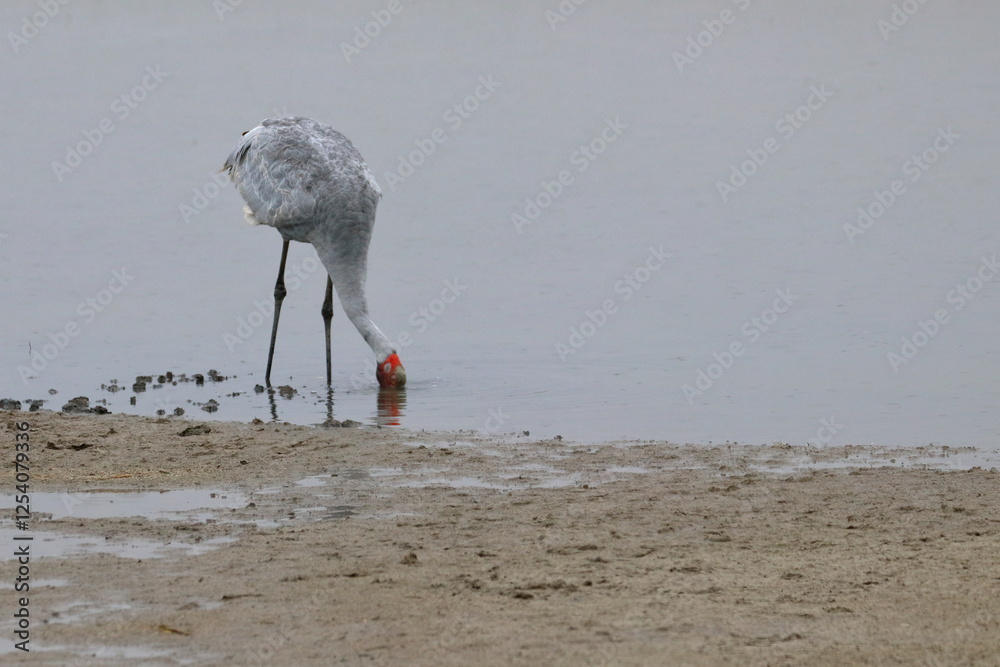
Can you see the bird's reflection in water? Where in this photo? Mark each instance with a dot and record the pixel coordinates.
(273, 403)
(391, 406)
(329, 408)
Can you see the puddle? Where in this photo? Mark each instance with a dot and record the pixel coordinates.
(295, 513)
(49, 583)
(315, 480)
(56, 545)
(92, 655)
(325, 479)
(455, 483)
(513, 483)
(149, 504)
(632, 470)
(184, 504)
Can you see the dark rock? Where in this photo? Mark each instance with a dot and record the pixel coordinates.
(81, 405)
(78, 404)
(200, 429)
(9, 404)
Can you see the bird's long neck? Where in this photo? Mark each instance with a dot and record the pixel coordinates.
(357, 311)
(347, 266)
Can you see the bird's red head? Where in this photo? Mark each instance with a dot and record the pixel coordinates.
(390, 372)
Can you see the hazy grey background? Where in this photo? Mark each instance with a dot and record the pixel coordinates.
(491, 354)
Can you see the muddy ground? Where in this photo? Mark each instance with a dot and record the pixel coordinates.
(365, 546)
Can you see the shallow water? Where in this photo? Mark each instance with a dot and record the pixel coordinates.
(47, 544)
(181, 504)
(629, 275)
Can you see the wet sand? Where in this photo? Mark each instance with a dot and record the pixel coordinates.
(366, 546)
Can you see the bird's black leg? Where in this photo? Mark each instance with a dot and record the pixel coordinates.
(327, 312)
(279, 296)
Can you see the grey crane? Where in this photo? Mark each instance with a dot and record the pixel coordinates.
(310, 183)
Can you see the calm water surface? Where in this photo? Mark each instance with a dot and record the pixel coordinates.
(617, 225)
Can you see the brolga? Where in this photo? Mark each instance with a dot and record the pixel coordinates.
(310, 183)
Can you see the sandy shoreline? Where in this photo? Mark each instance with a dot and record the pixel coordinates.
(365, 546)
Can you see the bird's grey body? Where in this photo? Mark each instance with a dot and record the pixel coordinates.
(310, 183)
(295, 173)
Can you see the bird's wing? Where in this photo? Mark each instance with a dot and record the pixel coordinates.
(275, 171)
